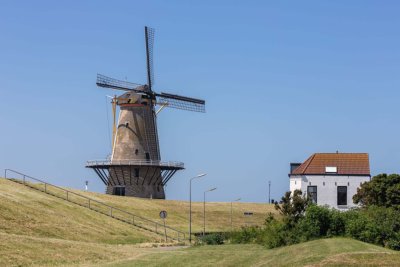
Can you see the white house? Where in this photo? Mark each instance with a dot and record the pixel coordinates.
(331, 178)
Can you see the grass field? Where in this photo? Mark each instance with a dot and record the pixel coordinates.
(218, 213)
(16, 250)
(27, 212)
(41, 230)
(325, 252)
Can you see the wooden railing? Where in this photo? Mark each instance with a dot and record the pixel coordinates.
(96, 205)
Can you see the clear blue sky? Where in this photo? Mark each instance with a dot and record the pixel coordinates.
(282, 80)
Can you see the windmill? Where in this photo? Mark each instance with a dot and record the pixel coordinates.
(135, 167)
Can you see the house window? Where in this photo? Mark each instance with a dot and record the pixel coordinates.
(312, 193)
(147, 156)
(330, 169)
(136, 172)
(342, 195)
(119, 191)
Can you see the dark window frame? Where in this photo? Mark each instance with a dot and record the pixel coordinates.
(313, 195)
(342, 198)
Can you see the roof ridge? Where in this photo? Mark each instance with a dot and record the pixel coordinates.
(341, 153)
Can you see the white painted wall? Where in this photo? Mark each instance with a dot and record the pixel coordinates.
(327, 187)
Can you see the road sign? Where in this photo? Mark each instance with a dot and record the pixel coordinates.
(163, 214)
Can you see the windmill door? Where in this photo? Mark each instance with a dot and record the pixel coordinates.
(119, 190)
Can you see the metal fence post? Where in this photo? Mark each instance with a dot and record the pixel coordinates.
(24, 179)
(111, 211)
(156, 227)
(89, 203)
(133, 219)
(45, 187)
(67, 196)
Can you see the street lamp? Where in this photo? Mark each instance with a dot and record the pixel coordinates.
(232, 212)
(190, 205)
(269, 192)
(204, 209)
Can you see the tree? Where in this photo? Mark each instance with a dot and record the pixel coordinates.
(293, 206)
(383, 190)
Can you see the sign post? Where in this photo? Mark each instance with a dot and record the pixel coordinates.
(248, 214)
(163, 215)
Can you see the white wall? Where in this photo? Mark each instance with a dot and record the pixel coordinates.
(327, 187)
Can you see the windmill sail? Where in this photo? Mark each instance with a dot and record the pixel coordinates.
(181, 102)
(107, 82)
(149, 34)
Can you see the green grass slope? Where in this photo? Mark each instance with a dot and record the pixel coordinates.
(218, 214)
(324, 252)
(22, 250)
(41, 230)
(24, 211)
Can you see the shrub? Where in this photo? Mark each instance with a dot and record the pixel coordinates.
(245, 235)
(373, 224)
(211, 239)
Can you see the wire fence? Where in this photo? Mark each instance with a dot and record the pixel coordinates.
(96, 205)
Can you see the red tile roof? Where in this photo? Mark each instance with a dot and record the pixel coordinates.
(346, 164)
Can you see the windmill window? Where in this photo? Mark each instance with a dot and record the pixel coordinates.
(136, 170)
(323, 183)
(147, 156)
(136, 151)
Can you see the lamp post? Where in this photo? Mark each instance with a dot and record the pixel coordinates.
(232, 212)
(269, 192)
(204, 210)
(190, 205)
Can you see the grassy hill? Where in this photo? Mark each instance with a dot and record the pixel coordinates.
(41, 230)
(218, 214)
(324, 252)
(22, 251)
(27, 212)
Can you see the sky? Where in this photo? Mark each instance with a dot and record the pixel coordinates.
(281, 80)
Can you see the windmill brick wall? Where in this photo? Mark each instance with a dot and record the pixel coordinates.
(136, 141)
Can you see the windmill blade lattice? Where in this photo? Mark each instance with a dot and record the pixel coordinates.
(181, 102)
(107, 82)
(149, 34)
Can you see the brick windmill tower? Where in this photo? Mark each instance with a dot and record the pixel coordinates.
(135, 168)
